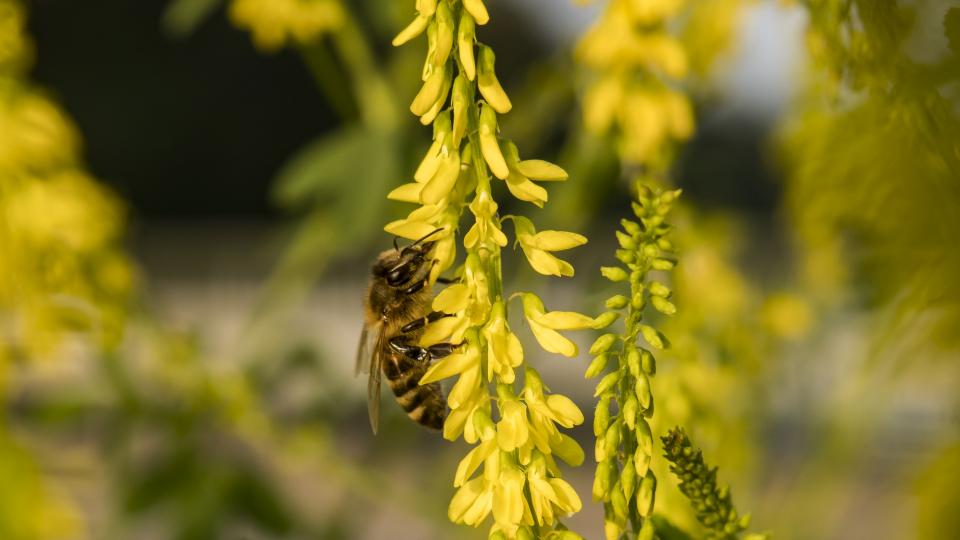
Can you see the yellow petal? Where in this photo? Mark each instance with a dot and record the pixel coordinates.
(488, 143)
(463, 499)
(565, 411)
(406, 193)
(443, 181)
(558, 240)
(445, 26)
(429, 164)
(565, 320)
(448, 367)
(552, 341)
(452, 299)
(567, 498)
(469, 464)
(525, 190)
(429, 93)
(567, 449)
(454, 424)
(427, 7)
(488, 84)
(412, 230)
(508, 498)
(539, 169)
(512, 429)
(447, 329)
(412, 30)
(465, 385)
(545, 263)
(465, 35)
(477, 10)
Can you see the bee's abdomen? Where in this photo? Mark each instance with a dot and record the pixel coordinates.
(425, 404)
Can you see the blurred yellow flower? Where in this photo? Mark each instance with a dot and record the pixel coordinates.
(275, 23)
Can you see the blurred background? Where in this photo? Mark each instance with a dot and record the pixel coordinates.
(190, 199)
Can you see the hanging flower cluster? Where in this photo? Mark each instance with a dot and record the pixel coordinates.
(624, 442)
(511, 474)
(61, 268)
(633, 58)
(275, 23)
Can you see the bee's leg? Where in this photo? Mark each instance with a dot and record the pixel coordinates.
(420, 323)
(416, 287)
(419, 354)
(447, 281)
(400, 345)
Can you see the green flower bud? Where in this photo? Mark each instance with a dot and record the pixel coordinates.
(625, 256)
(603, 343)
(596, 366)
(659, 289)
(613, 273)
(611, 440)
(650, 250)
(605, 320)
(653, 337)
(642, 389)
(648, 362)
(601, 417)
(641, 462)
(663, 305)
(646, 494)
(606, 383)
(628, 478)
(626, 241)
(617, 302)
(603, 478)
(633, 362)
(639, 211)
(647, 530)
(630, 411)
(497, 536)
(663, 264)
(619, 504)
(631, 227)
(644, 438)
(524, 533)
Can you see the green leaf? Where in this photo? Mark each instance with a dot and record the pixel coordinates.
(182, 17)
(349, 159)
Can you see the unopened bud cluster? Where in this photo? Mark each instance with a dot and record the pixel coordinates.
(624, 441)
(713, 504)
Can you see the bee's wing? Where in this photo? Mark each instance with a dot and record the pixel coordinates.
(366, 348)
(373, 383)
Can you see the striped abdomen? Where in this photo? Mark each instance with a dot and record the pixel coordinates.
(423, 404)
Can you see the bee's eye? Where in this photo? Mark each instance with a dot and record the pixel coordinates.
(398, 275)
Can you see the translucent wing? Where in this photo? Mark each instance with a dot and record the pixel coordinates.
(373, 383)
(366, 348)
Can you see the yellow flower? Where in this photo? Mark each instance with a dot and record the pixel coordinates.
(537, 247)
(545, 325)
(274, 23)
(504, 351)
(512, 429)
(485, 229)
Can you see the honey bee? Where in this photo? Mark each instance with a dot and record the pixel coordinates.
(396, 308)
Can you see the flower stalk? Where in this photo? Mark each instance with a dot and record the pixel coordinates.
(624, 481)
(511, 473)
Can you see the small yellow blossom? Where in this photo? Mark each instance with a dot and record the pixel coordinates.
(537, 246)
(545, 325)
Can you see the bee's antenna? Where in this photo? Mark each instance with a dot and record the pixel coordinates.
(395, 246)
(433, 232)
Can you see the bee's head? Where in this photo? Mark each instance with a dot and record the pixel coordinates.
(400, 266)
